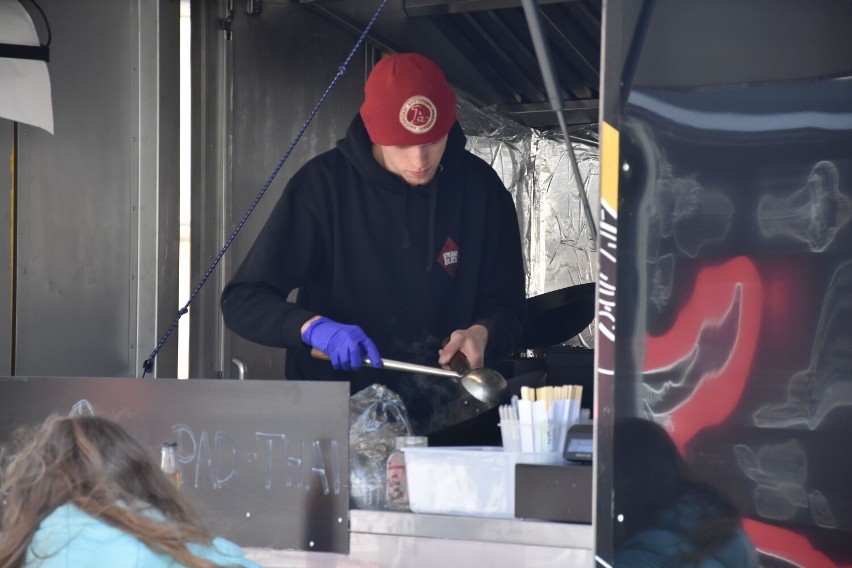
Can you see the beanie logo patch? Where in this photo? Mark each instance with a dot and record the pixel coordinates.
(418, 114)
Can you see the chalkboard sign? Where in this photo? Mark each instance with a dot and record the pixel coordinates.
(265, 462)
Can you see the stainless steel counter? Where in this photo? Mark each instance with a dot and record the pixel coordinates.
(385, 539)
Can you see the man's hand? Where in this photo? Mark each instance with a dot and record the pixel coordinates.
(345, 345)
(471, 342)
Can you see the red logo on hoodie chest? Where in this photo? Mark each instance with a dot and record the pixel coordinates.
(448, 258)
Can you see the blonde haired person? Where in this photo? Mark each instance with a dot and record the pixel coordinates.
(82, 491)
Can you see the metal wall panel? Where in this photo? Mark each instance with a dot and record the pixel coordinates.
(210, 155)
(264, 462)
(281, 61)
(99, 196)
(6, 196)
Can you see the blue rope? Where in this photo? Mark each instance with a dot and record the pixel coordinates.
(149, 362)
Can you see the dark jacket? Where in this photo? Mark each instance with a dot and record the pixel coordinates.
(365, 248)
(667, 542)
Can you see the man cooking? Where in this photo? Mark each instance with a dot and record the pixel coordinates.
(397, 239)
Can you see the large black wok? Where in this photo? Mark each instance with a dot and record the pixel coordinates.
(552, 318)
(469, 422)
(557, 316)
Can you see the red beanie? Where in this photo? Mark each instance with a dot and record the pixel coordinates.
(407, 101)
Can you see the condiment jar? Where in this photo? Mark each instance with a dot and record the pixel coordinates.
(397, 484)
(169, 463)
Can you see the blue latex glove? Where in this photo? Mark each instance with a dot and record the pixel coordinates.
(346, 345)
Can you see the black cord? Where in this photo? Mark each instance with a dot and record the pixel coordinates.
(149, 362)
(34, 52)
(634, 51)
(46, 22)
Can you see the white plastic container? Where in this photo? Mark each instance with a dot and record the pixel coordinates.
(472, 480)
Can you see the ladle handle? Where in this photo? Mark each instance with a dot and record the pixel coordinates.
(459, 362)
(397, 365)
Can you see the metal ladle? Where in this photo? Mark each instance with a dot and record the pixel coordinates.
(485, 385)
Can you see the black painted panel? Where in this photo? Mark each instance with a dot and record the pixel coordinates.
(734, 275)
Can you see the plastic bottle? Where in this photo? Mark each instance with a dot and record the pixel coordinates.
(168, 462)
(397, 485)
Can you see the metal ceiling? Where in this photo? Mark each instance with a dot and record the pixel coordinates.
(486, 50)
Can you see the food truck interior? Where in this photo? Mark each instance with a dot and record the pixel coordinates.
(678, 166)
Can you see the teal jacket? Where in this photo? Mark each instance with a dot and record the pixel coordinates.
(69, 537)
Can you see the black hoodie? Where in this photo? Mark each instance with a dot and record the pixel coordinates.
(409, 264)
